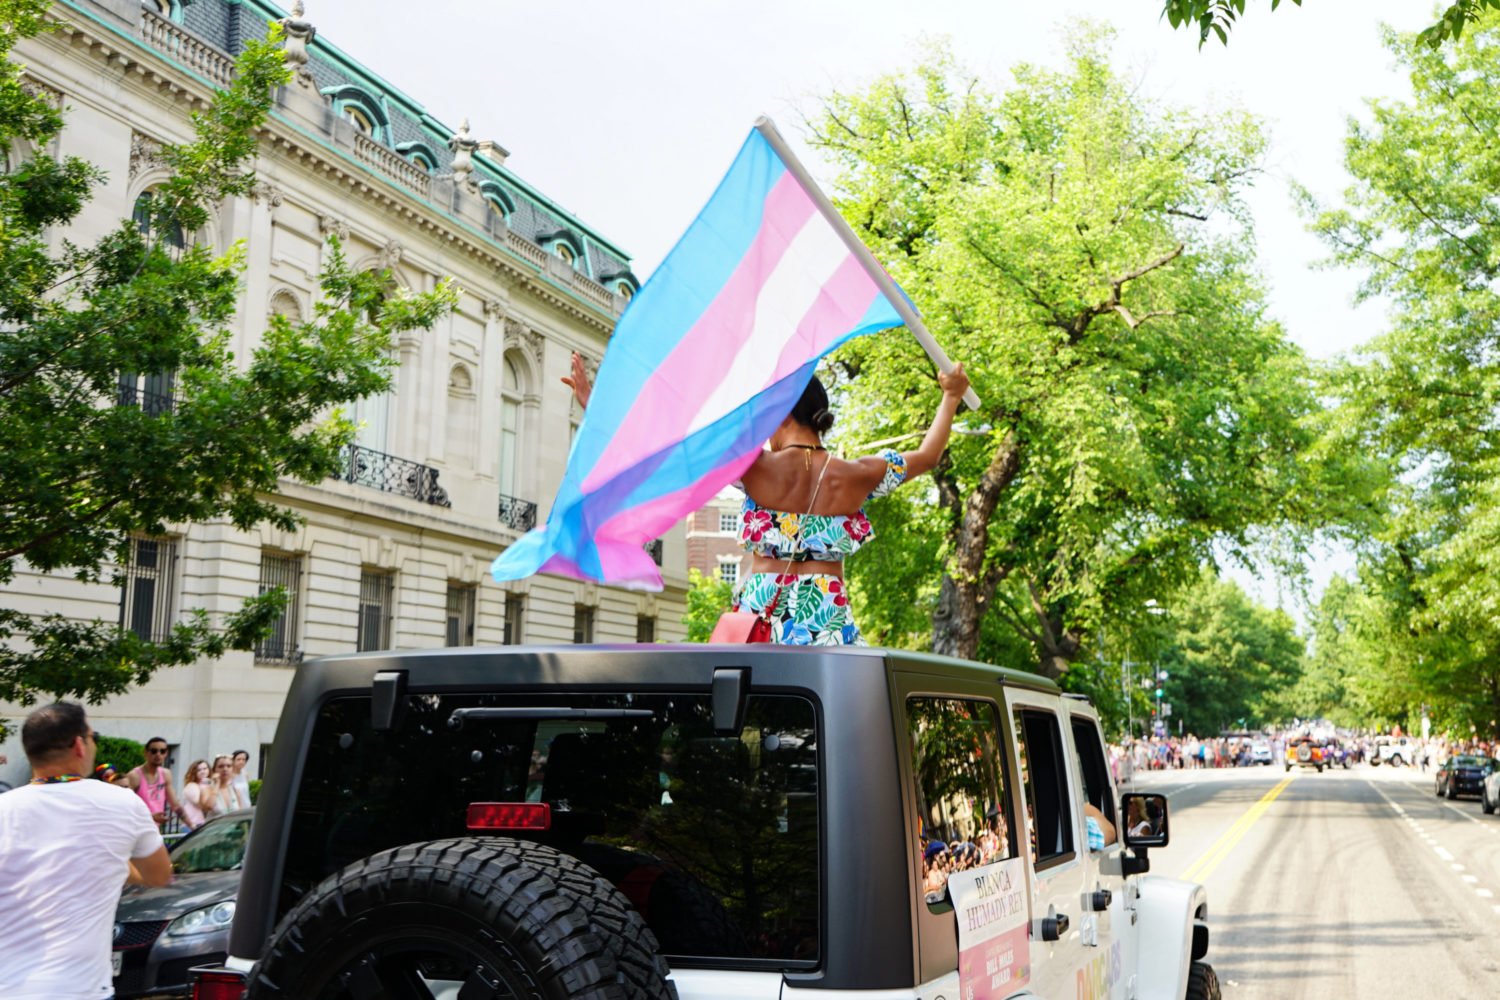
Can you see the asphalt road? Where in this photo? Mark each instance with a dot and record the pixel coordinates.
(1337, 885)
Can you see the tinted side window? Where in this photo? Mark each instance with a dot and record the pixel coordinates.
(713, 838)
(1044, 778)
(1093, 766)
(959, 773)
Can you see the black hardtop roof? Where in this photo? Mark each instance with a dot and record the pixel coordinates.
(653, 665)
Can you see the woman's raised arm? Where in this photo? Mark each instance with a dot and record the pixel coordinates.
(925, 458)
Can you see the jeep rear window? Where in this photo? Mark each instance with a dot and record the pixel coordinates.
(713, 838)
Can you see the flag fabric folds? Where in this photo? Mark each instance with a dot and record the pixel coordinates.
(708, 359)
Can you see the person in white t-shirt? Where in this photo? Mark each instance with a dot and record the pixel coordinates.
(241, 781)
(68, 845)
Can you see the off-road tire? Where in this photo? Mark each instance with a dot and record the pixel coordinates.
(1437, 788)
(1203, 983)
(1452, 790)
(538, 922)
(1396, 760)
(1289, 767)
(1485, 803)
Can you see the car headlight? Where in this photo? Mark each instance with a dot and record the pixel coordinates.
(210, 918)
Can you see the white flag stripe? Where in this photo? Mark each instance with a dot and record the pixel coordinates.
(790, 291)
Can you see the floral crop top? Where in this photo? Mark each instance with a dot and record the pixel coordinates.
(824, 537)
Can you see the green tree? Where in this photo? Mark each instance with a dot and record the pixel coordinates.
(708, 597)
(1088, 255)
(1217, 18)
(87, 458)
(1229, 660)
(1421, 222)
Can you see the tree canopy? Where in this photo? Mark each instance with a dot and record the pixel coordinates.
(1216, 18)
(123, 411)
(1420, 222)
(1087, 253)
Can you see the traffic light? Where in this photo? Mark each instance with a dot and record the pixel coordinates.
(1158, 692)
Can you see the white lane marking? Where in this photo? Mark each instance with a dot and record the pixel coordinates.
(1442, 852)
(1472, 819)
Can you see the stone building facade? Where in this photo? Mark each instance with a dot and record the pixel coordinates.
(450, 465)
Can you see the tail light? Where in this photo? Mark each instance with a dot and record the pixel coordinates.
(510, 816)
(213, 983)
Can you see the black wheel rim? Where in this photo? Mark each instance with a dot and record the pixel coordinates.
(413, 964)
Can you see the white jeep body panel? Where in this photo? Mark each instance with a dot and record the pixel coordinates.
(720, 984)
(1166, 909)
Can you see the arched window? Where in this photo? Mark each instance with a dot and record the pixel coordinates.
(419, 153)
(169, 9)
(512, 392)
(284, 303)
(565, 251)
(141, 214)
(625, 290)
(360, 110)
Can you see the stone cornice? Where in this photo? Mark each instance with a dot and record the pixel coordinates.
(111, 46)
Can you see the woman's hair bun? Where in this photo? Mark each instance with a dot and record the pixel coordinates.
(812, 409)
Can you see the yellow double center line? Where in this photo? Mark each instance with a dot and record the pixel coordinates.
(1199, 870)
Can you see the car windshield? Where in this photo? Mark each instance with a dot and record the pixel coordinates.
(215, 847)
(1468, 762)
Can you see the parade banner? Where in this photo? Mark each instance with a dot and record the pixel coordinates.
(994, 956)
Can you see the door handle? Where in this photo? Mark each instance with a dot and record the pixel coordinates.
(1054, 927)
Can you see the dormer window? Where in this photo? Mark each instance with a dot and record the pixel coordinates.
(357, 117)
(624, 290)
(565, 252)
(359, 109)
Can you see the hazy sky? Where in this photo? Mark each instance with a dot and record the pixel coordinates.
(629, 114)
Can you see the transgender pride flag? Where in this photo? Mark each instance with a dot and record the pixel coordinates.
(709, 358)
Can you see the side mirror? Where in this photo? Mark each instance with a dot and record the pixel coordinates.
(1145, 820)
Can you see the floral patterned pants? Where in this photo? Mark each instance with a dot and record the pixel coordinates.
(813, 609)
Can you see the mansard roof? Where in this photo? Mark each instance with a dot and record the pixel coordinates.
(407, 125)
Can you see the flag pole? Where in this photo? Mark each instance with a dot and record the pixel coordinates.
(767, 129)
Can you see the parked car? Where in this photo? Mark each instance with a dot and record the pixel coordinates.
(1260, 753)
(1304, 752)
(1335, 755)
(1489, 792)
(1463, 774)
(656, 822)
(162, 933)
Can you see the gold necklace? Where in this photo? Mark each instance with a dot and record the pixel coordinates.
(807, 450)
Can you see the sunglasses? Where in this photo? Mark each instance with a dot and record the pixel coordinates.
(156, 749)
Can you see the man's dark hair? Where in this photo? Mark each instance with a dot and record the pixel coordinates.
(238, 752)
(156, 739)
(812, 409)
(49, 732)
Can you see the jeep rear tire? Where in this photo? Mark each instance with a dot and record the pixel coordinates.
(1203, 983)
(505, 918)
(1484, 801)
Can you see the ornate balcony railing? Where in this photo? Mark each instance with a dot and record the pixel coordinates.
(518, 514)
(393, 164)
(377, 470)
(197, 54)
(653, 549)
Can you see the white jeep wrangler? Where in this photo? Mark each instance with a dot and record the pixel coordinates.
(749, 822)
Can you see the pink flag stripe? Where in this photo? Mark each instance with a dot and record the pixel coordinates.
(654, 516)
(673, 394)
